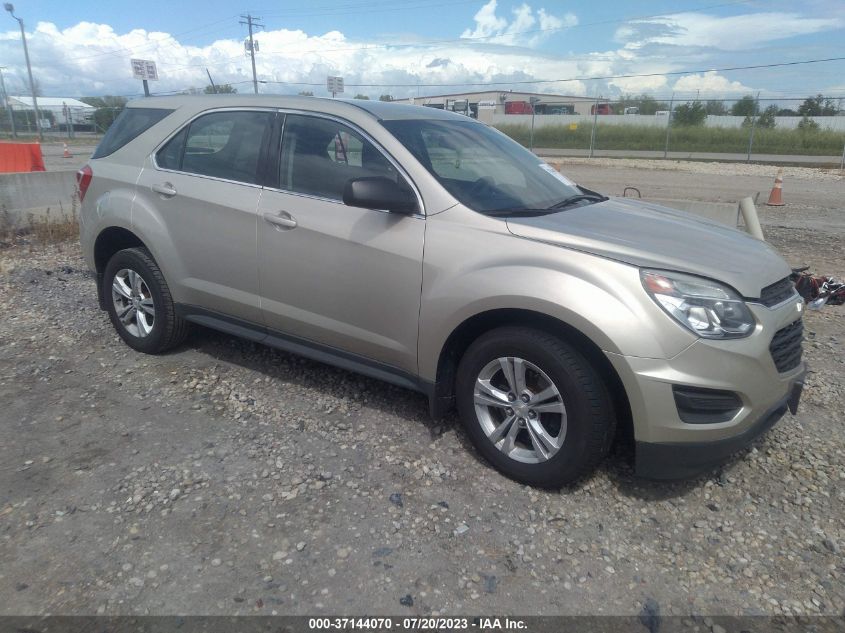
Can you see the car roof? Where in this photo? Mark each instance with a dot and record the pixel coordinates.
(381, 110)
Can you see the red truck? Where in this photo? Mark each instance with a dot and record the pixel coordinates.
(518, 107)
(603, 108)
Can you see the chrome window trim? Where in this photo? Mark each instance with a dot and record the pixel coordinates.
(322, 115)
(187, 124)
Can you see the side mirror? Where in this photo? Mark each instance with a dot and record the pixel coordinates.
(379, 193)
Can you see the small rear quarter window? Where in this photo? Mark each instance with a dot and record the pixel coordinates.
(128, 125)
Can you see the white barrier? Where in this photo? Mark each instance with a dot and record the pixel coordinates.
(835, 123)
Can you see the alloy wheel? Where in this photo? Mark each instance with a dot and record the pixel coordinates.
(520, 409)
(133, 302)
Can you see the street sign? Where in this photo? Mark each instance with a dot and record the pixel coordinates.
(144, 69)
(334, 84)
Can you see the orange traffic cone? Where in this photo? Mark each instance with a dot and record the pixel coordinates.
(776, 196)
(67, 153)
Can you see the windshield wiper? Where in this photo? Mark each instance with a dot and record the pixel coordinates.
(517, 212)
(593, 197)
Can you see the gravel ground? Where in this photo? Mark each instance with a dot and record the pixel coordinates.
(701, 167)
(228, 478)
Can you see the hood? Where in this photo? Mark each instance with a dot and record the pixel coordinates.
(652, 236)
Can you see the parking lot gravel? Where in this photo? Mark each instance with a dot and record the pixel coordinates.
(229, 478)
(702, 167)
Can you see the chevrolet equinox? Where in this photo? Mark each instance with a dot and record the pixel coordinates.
(429, 250)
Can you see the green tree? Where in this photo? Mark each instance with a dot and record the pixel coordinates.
(386, 98)
(220, 89)
(306, 93)
(766, 119)
(807, 125)
(690, 114)
(787, 112)
(108, 107)
(747, 107)
(716, 107)
(647, 104)
(817, 106)
(361, 96)
(106, 101)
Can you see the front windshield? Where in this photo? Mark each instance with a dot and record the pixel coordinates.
(481, 167)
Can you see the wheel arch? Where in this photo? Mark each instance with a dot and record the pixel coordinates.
(109, 241)
(470, 329)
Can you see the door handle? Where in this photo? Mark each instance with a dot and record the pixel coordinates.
(167, 190)
(281, 220)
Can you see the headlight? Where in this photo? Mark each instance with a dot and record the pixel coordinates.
(706, 307)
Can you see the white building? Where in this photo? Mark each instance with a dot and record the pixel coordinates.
(78, 112)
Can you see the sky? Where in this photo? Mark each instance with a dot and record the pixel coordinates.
(424, 47)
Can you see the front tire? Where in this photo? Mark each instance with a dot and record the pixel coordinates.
(534, 406)
(139, 303)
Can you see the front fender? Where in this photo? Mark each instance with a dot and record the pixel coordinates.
(601, 298)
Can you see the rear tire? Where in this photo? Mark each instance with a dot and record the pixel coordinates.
(534, 406)
(139, 303)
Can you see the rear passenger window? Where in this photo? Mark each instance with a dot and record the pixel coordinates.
(222, 145)
(319, 156)
(128, 125)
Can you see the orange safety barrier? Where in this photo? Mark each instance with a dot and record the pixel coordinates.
(18, 157)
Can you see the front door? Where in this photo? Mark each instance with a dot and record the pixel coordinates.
(340, 276)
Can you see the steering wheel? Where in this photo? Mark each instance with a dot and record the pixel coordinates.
(482, 185)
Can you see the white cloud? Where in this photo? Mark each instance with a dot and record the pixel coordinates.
(638, 85)
(526, 28)
(710, 84)
(92, 59)
(89, 59)
(729, 33)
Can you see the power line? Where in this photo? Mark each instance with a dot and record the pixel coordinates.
(547, 81)
(550, 81)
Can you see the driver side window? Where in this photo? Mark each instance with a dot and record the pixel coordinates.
(319, 156)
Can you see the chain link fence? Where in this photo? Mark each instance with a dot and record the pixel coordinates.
(675, 127)
(57, 123)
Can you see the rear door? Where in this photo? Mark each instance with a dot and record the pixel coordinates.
(205, 185)
(341, 276)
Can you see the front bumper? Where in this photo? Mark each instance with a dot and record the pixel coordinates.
(681, 460)
(669, 447)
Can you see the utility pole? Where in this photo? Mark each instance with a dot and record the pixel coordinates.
(668, 126)
(753, 125)
(250, 22)
(7, 104)
(68, 119)
(213, 87)
(595, 123)
(11, 9)
(533, 101)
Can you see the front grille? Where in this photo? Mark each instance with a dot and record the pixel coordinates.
(786, 346)
(777, 292)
